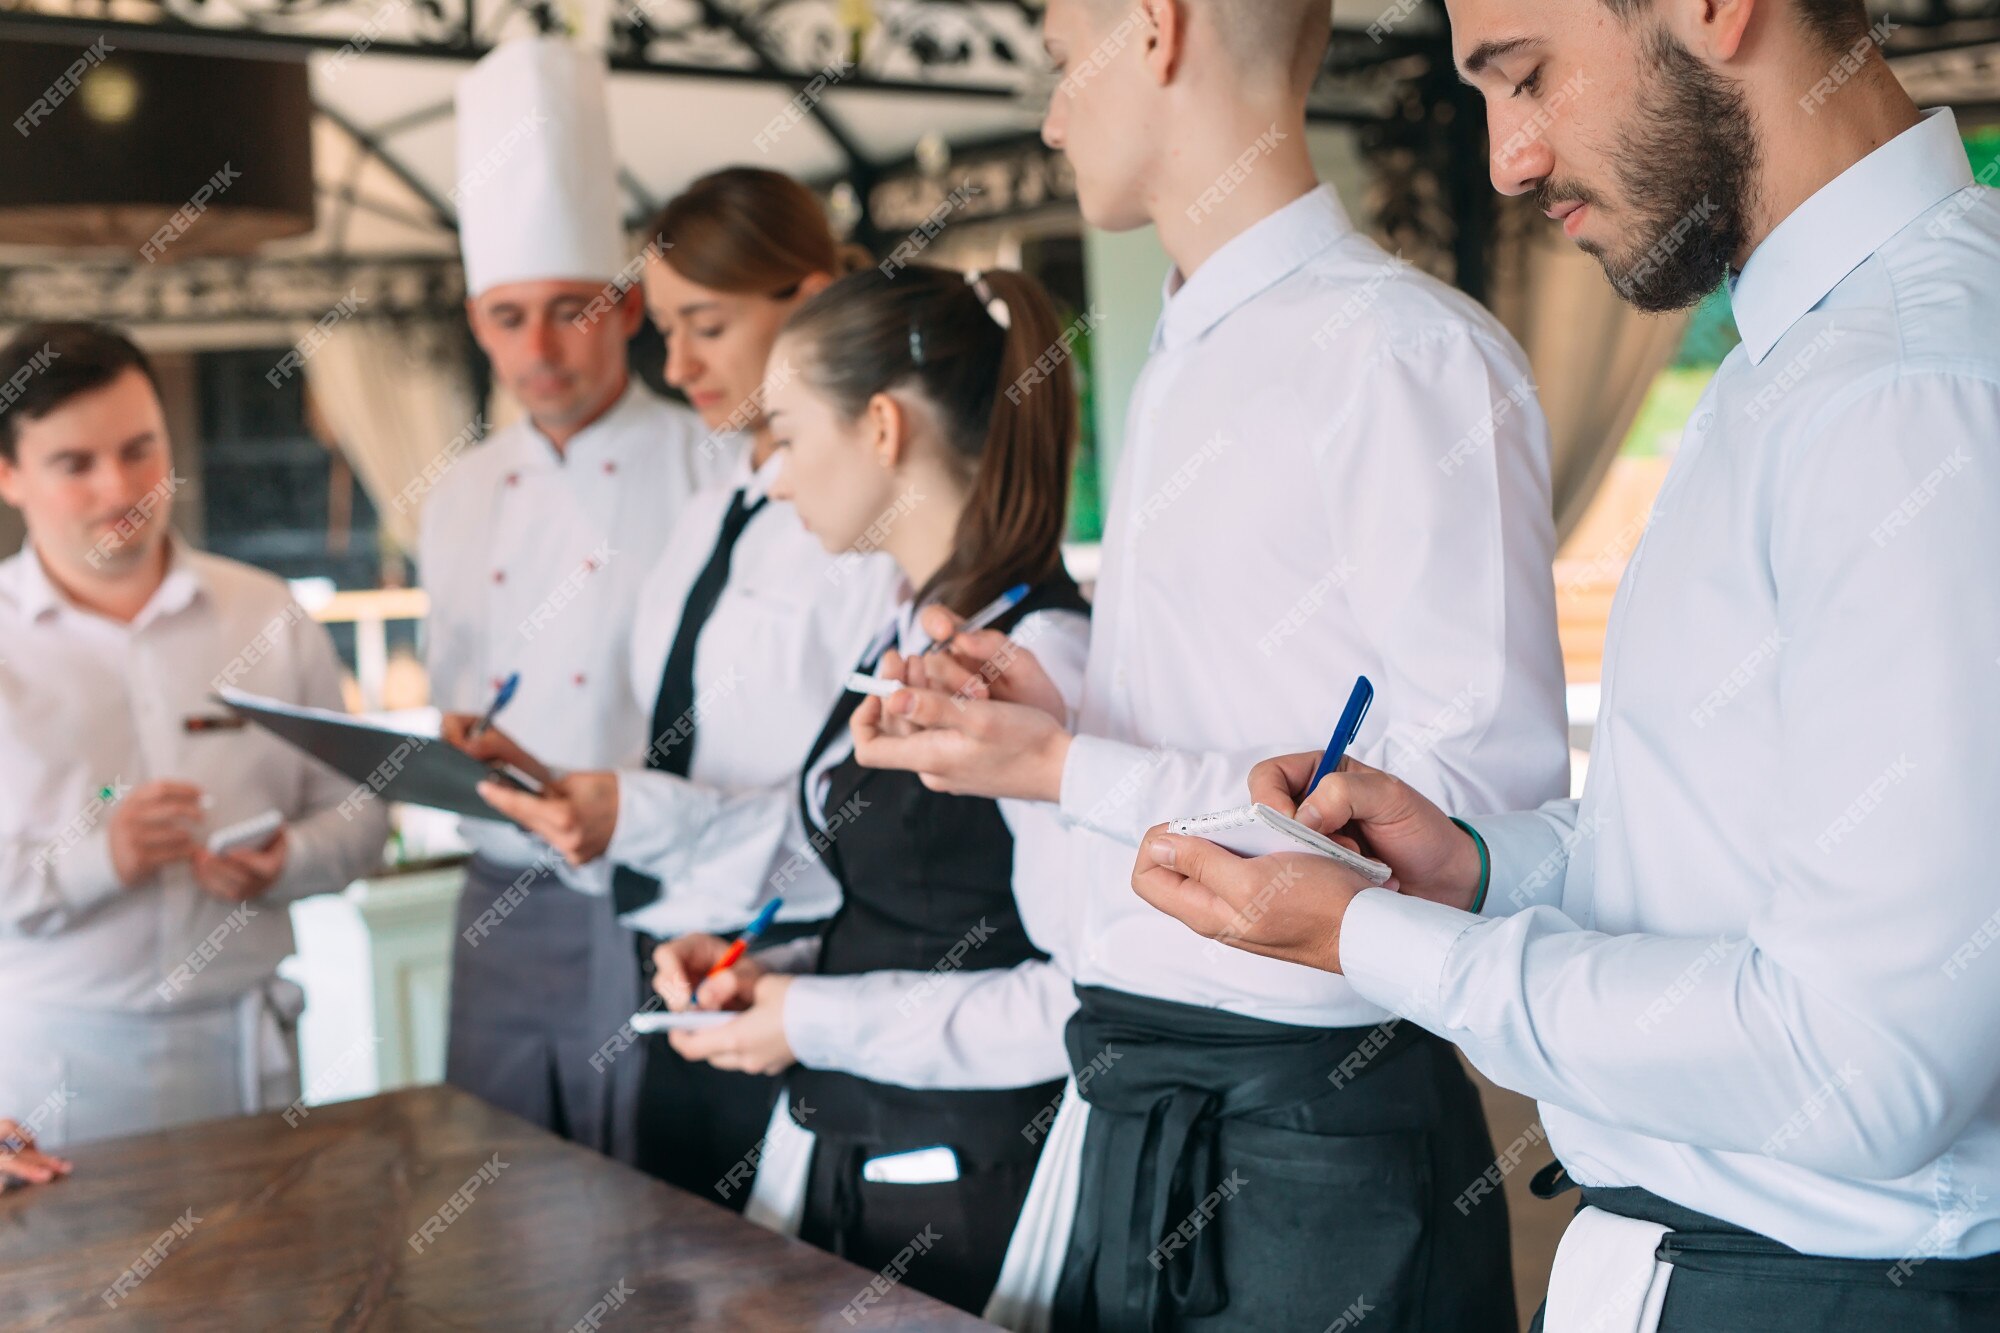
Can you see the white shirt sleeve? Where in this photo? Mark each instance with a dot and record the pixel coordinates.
(995, 1029)
(1854, 1029)
(1455, 598)
(44, 886)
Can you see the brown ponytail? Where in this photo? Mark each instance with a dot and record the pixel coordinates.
(751, 232)
(1007, 397)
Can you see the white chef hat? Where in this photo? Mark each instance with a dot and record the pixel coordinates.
(536, 187)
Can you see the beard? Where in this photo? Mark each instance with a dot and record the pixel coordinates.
(1688, 170)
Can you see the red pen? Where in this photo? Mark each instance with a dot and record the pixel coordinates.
(734, 953)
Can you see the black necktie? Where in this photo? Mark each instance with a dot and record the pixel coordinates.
(671, 749)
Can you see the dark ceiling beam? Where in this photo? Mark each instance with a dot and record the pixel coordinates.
(446, 215)
(176, 35)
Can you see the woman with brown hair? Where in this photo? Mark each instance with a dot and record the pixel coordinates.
(914, 424)
(744, 629)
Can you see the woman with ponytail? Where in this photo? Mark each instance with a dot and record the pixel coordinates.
(745, 629)
(914, 423)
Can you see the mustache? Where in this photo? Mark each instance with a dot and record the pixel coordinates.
(1552, 192)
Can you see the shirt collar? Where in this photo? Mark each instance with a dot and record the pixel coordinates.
(536, 450)
(40, 597)
(1842, 224)
(1249, 264)
(755, 484)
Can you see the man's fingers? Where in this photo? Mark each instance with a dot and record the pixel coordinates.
(1188, 901)
(1229, 875)
(1278, 782)
(1355, 792)
(924, 752)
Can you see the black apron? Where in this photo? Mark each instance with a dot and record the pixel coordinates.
(1230, 1181)
(1729, 1280)
(926, 881)
(527, 1014)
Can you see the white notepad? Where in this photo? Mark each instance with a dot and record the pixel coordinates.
(1258, 830)
(664, 1020)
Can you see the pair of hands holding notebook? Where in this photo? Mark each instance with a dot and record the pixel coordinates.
(990, 722)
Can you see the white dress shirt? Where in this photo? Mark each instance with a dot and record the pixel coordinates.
(883, 1025)
(1335, 467)
(1753, 971)
(790, 624)
(88, 703)
(534, 560)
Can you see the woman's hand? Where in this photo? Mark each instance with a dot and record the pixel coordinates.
(752, 1044)
(681, 964)
(575, 815)
(492, 746)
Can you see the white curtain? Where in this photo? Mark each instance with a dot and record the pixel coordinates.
(393, 397)
(1593, 356)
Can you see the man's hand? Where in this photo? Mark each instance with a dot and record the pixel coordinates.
(241, 875)
(575, 815)
(1288, 905)
(1379, 815)
(21, 1160)
(492, 746)
(680, 964)
(752, 1044)
(151, 827)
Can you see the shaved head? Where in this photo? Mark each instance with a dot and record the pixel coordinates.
(1282, 39)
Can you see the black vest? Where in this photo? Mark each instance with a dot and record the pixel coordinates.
(927, 882)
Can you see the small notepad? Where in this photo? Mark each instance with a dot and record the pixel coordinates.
(1258, 830)
(662, 1020)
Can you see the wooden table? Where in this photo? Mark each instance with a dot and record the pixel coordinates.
(260, 1224)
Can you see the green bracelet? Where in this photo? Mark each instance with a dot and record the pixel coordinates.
(1485, 865)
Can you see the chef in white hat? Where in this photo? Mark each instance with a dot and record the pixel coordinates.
(533, 548)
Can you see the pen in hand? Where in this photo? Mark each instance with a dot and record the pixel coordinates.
(986, 615)
(735, 952)
(501, 698)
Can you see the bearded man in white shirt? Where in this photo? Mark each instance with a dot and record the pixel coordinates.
(138, 969)
(535, 547)
(1335, 466)
(1749, 977)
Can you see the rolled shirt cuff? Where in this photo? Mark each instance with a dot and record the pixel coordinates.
(1528, 862)
(1393, 950)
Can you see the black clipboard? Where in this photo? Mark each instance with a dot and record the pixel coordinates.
(395, 765)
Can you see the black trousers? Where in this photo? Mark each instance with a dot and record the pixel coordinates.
(1729, 1280)
(961, 1227)
(700, 1128)
(1244, 1175)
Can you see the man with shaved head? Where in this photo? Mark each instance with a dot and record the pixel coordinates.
(1750, 977)
(1335, 467)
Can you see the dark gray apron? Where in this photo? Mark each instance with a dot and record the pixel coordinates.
(1729, 1280)
(535, 998)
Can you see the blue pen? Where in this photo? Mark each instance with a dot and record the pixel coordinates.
(760, 924)
(989, 613)
(1344, 732)
(501, 698)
